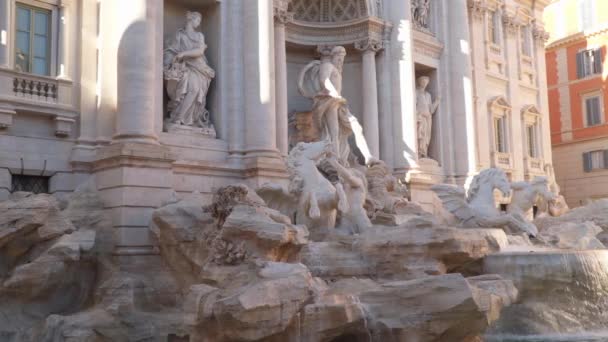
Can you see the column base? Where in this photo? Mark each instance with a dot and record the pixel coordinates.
(421, 179)
(135, 138)
(133, 179)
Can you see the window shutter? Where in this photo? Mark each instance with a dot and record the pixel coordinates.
(587, 162)
(580, 65)
(596, 111)
(605, 159)
(597, 61)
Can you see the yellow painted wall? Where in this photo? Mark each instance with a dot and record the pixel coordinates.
(561, 17)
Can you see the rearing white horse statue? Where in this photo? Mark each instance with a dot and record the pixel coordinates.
(477, 208)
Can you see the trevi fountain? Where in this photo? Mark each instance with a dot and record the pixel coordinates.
(337, 253)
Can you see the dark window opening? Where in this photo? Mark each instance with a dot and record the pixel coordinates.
(35, 184)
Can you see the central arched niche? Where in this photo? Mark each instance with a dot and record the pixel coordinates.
(329, 23)
(332, 10)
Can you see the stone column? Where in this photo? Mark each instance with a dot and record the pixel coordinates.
(259, 72)
(134, 172)
(457, 51)
(281, 16)
(135, 84)
(369, 48)
(403, 79)
(64, 52)
(5, 10)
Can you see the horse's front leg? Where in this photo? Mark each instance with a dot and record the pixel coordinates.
(313, 212)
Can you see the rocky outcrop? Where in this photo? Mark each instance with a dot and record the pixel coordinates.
(236, 229)
(48, 259)
(404, 252)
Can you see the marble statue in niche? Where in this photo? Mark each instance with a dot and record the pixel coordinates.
(425, 109)
(188, 77)
(321, 81)
(420, 13)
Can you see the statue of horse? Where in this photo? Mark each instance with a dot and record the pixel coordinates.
(477, 209)
(310, 197)
(527, 194)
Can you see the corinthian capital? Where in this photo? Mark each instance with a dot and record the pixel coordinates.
(477, 8)
(510, 23)
(369, 44)
(281, 12)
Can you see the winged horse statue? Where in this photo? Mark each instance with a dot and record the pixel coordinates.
(477, 209)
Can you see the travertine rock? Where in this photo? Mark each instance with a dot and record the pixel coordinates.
(596, 212)
(26, 221)
(572, 235)
(46, 265)
(438, 308)
(268, 306)
(403, 252)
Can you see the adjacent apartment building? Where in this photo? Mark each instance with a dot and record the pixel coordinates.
(577, 78)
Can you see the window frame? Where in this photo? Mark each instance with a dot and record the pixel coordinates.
(588, 160)
(584, 97)
(53, 8)
(493, 28)
(583, 62)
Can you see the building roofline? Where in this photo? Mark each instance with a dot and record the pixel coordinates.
(573, 38)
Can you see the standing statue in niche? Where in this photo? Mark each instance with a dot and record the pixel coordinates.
(420, 13)
(188, 76)
(321, 81)
(425, 109)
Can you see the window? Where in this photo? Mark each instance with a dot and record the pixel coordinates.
(32, 39)
(532, 140)
(494, 27)
(595, 160)
(500, 134)
(586, 13)
(588, 62)
(525, 34)
(35, 184)
(592, 107)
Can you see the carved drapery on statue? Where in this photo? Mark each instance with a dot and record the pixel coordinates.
(421, 10)
(188, 77)
(321, 81)
(425, 109)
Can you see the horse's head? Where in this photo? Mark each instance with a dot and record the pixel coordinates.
(540, 184)
(313, 151)
(490, 179)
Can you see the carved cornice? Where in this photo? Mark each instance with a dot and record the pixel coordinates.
(427, 45)
(337, 33)
(370, 44)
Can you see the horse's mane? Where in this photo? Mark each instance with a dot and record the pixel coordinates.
(482, 178)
